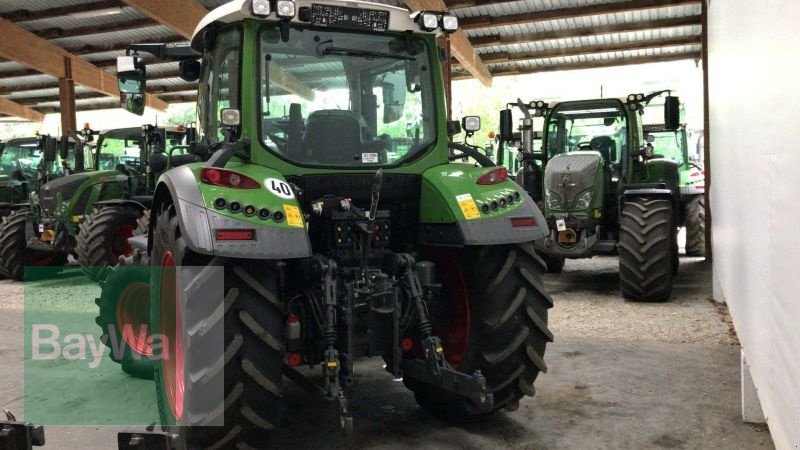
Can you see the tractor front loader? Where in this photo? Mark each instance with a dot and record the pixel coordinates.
(344, 226)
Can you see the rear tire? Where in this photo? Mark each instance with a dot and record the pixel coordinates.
(125, 301)
(696, 227)
(507, 325)
(252, 322)
(103, 238)
(646, 249)
(14, 253)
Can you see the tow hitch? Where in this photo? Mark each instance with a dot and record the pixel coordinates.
(19, 435)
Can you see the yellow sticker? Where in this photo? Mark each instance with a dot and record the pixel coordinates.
(468, 206)
(293, 217)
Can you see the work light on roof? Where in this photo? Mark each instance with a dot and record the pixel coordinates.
(449, 23)
(285, 9)
(427, 21)
(260, 8)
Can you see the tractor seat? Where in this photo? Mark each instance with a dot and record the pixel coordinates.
(606, 146)
(333, 136)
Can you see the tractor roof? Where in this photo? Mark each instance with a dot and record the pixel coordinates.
(238, 10)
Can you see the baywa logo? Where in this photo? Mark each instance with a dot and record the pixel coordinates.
(47, 344)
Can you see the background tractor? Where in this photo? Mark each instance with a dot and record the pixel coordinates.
(673, 144)
(603, 189)
(329, 200)
(20, 171)
(135, 157)
(75, 181)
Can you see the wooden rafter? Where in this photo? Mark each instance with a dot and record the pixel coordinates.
(54, 85)
(460, 46)
(15, 109)
(500, 57)
(503, 39)
(589, 64)
(183, 17)
(24, 15)
(486, 21)
(30, 50)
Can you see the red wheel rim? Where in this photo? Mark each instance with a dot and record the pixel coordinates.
(172, 330)
(119, 241)
(454, 333)
(133, 309)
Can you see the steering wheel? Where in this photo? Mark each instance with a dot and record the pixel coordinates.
(466, 150)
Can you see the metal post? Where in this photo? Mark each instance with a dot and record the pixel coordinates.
(706, 131)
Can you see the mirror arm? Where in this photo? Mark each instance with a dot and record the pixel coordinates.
(170, 52)
(224, 154)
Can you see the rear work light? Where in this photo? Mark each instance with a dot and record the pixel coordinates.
(235, 235)
(494, 176)
(227, 178)
(518, 222)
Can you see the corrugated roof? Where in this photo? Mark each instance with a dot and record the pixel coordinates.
(509, 44)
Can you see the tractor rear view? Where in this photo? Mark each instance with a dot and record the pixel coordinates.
(329, 201)
(605, 192)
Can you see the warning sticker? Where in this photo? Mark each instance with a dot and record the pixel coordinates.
(293, 217)
(468, 206)
(369, 158)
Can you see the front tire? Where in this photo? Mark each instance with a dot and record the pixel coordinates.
(124, 304)
(499, 299)
(251, 320)
(696, 227)
(103, 238)
(14, 252)
(647, 250)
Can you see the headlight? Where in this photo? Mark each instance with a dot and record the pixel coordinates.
(552, 201)
(285, 9)
(260, 8)
(584, 200)
(449, 23)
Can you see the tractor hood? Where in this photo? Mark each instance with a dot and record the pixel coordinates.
(66, 186)
(569, 174)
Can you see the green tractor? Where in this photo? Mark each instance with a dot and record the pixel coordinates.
(19, 165)
(329, 200)
(135, 156)
(77, 179)
(673, 144)
(603, 188)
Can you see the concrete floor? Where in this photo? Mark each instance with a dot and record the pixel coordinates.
(622, 375)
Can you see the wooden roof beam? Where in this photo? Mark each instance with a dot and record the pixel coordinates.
(183, 17)
(26, 48)
(487, 21)
(589, 64)
(504, 39)
(54, 85)
(500, 57)
(460, 47)
(15, 109)
(24, 15)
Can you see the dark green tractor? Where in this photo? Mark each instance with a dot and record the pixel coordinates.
(673, 145)
(19, 167)
(78, 177)
(135, 157)
(603, 188)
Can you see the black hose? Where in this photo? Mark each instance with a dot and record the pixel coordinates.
(482, 159)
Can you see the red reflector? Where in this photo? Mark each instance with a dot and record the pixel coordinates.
(407, 344)
(522, 222)
(227, 178)
(294, 359)
(235, 235)
(292, 319)
(494, 176)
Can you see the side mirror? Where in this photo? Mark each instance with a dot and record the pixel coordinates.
(506, 125)
(471, 124)
(189, 70)
(63, 148)
(453, 128)
(131, 74)
(672, 113)
(49, 150)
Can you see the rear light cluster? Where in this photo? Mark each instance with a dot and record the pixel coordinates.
(227, 178)
(496, 203)
(248, 210)
(493, 176)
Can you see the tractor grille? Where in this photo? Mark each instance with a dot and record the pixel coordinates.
(67, 186)
(573, 173)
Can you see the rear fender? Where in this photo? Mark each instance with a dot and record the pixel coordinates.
(199, 220)
(452, 209)
(657, 191)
